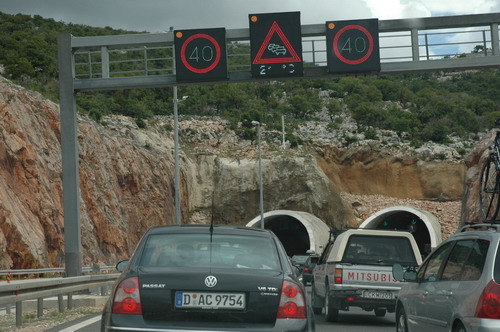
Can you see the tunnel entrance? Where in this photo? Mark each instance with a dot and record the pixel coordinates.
(406, 221)
(423, 225)
(298, 231)
(291, 232)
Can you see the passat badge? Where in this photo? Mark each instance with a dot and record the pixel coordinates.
(153, 285)
(210, 281)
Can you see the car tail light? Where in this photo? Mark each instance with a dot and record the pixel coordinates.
(306, 270)
(128, 298)
(338, 276)
(488, 305)
(292, 302)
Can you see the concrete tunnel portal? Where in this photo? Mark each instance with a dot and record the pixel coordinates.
(301, 231)
(424, 226)
(298, 231)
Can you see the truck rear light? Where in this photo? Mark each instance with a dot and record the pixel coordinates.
(127, 298)
(292, 301)
(338, 276)
(488, 305)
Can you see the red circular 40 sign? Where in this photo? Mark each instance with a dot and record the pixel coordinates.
(200, 55)
(357, 45)
(208, 54)
(352, 46)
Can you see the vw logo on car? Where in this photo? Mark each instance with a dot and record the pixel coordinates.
(210, 281)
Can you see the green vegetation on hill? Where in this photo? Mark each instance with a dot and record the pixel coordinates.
(425, 106)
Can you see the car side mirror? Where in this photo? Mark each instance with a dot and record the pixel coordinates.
(399, 273)
(120, 266)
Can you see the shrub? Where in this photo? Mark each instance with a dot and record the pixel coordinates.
(371, 133)
(140, 123)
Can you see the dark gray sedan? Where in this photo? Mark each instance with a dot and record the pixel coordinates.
(208, 278)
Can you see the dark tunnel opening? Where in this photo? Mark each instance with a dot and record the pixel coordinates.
(291, 232)
(409, 222)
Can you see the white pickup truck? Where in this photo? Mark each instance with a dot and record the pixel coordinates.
(355, 269)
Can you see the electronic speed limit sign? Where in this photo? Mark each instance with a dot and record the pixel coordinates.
(200, 55)
(352, 46)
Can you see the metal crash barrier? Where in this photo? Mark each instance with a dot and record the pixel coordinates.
(37, 289)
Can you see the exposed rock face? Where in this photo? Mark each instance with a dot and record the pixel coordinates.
(372, 169)
(31, 220)
(295, 183)
(125, 187)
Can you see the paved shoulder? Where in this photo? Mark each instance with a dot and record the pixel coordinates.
(83, 324)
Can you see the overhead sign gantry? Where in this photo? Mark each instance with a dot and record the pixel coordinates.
(414, 52)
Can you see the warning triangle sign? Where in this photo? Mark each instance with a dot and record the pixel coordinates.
(276, 49)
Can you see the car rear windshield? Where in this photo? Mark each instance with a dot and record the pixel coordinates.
(380, 250)
(200, 250)
(299, 259)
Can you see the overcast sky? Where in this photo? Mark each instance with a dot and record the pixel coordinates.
(159, 15)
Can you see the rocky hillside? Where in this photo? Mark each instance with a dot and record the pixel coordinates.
(127, 186)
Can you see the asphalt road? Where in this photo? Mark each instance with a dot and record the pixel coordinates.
(357, 320)
(349, 321)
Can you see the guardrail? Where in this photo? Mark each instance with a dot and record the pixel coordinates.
(53, 270)
(38, 289)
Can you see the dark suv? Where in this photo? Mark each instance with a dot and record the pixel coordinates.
(457, 288)
(305, 264)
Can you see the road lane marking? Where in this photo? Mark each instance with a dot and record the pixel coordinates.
(78, 326)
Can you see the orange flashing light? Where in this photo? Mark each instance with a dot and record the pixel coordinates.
(331, 26)
(178, 34)
(254, 19)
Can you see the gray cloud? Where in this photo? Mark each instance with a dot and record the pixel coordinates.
(159, 15)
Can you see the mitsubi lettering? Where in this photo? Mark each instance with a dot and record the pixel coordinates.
(371, 276)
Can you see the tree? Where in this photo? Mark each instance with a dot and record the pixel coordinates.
(18, 67)
(299, 107)
(478, 49)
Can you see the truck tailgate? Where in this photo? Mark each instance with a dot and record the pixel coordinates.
(369, 276)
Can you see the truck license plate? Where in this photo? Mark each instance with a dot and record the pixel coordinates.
(378, 295)
(210, 300)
